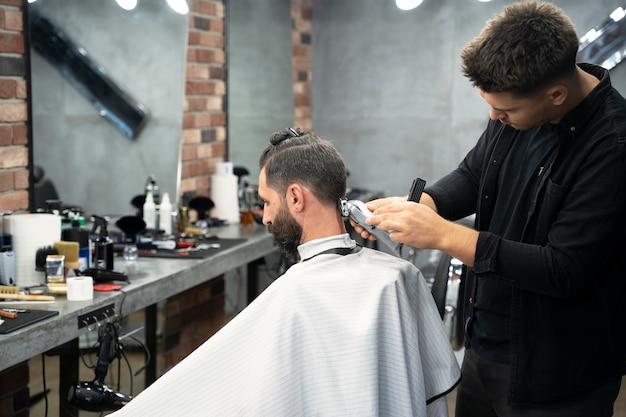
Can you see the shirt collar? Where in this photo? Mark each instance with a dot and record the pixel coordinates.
(309, 249)
(578, 117)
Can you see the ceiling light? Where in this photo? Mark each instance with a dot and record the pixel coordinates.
(408, 4)
(127, 4)
(179, 6)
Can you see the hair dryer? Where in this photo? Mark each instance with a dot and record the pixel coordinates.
(95, 395)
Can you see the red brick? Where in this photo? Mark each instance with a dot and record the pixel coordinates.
(7, 88)
(208, 39)
(13, 112)
(191, 136)
(14, 201)
(217, 25)
(302, 51)
(6, 135)
(197, 71)
(6, 181)
(20, 91)
(13, 20)
(193, 38)
(302, 101)
(16, 3)
(13, 157)
(219, 149)
(20, 134)
(12, 42)
(193, 88)
(205, 151)
(207, 8)
(188, 153)
(21, 179)
(201, 55)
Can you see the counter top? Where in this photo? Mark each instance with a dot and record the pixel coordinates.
(156, 279)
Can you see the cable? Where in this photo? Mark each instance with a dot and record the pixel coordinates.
(130, 372)
(146, 351)
(45, 389)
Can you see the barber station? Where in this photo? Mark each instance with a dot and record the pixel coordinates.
(190, 195)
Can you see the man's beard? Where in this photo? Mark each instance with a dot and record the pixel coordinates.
(287, 232)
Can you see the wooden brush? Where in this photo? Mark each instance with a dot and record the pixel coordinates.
(8, 292)
(70, 251)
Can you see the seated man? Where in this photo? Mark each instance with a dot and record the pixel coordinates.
(347, 331)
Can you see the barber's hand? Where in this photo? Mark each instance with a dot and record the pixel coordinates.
(372, 206)
(411, 223)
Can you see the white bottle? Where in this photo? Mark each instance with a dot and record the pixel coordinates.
(149, 212)
(165, 214)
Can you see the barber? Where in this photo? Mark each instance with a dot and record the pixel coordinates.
(545, 288)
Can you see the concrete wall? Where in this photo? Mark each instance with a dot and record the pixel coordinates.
(260, 85)
(91, 163)
(387, 87)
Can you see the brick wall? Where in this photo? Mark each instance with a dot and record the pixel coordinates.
(13, 109)
(302, 15)
(204, 122)
(14, 393)
(191, 318)
(204, 135)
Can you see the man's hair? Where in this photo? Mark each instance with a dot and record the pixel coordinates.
(521, 50)
(305, 158)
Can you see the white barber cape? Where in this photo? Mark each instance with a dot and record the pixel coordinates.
(337, 335)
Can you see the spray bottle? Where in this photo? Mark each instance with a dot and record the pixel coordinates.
(103, 247)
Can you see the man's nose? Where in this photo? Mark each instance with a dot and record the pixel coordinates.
(496, 114)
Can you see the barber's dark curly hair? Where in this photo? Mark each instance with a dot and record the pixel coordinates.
(522, 50)
(303, 157)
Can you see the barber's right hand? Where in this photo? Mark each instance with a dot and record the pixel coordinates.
(373, 205)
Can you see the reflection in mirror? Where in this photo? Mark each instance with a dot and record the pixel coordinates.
(90, 162)
(260, 86)
(605, 44)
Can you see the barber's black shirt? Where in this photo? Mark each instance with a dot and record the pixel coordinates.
(517, 182)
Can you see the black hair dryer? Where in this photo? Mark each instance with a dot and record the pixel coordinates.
(95, 395)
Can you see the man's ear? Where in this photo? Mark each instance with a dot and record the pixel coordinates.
(558, 94)
(295, 197)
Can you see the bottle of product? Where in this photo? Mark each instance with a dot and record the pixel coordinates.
(103, 247)
(165, 214)
(149, 211)
(152, 186)
(80, 235)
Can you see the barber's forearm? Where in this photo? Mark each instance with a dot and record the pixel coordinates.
(459, 241)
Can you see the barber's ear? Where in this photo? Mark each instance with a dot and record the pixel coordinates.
(558, 94)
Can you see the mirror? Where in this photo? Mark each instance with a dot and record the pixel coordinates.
(260, 80)
(605, 44)
(91, 161)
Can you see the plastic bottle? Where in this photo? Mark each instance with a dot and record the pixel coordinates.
(149, 211)
(165, 214)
